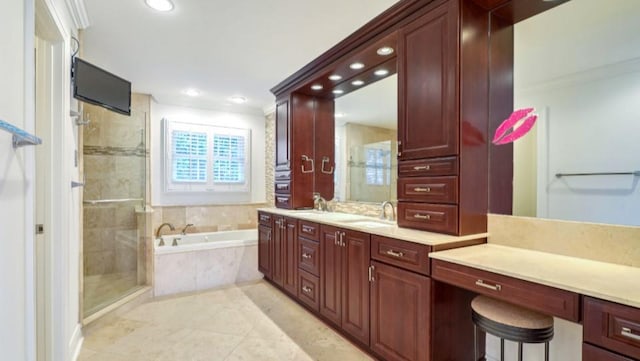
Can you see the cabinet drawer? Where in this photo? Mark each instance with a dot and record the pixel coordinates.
(283, 201)
(282, 175)
(283, 187)
(264, 219)
(612, 326)
(407, 255)
(309, 230)
(548, 300)
(309, 290)
(429, 189)
(309, 256)
(428, 167)
(592, 353)
(429, 217)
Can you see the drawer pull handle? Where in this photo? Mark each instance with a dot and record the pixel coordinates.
(495, 287)
(394, 253)
(306, 256)
(282, 199)
(626, 332)
(282, 186)
(424, 190)
(307, 229)
(306, 289)
(422, 216)
(422, 167)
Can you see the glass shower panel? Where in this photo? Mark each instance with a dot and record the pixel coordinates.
(115, 157)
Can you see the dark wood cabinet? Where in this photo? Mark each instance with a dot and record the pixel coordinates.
(344, 279)
(427, 81)
(444, 118)
(399, 313)
(305, 150)
(592, 353)
(264, 249)
(284, 264)
(612, 326)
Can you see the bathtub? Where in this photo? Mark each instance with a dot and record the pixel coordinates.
(202, 261)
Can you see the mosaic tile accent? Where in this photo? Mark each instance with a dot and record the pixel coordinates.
(270, 157)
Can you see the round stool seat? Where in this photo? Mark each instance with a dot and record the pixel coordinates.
(511, 322)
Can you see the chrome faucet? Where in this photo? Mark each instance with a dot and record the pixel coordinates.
(383, 209)
(171, 227)
(184, 230)
(319, 203)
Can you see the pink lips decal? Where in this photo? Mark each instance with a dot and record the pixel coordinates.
(501, 136)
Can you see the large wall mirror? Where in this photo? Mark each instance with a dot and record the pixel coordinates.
(366, 143)
(579, 66)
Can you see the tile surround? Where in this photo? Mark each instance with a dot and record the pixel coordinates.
(207, 218)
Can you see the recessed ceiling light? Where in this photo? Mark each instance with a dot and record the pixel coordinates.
(356, 66)
(338, 91)
(335, 77)
(385, 50)
(192, 92)
(339, 115)
(160, 5)
(381, 72)
(238, 99)
(357, 82)
(316, 87)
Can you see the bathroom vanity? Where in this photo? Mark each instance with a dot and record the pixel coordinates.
(370, 280)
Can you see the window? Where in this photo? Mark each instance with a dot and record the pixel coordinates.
(378, 166)
(205, 158)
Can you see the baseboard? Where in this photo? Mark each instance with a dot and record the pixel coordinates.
(75, 344)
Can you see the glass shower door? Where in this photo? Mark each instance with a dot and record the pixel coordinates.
(115, 168)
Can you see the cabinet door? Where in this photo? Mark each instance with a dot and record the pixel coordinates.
(290, 257)
(427, 67)
(325, 147)
(264, 250)
(400, 314)
(330, 275)
(356, 248)
(276, 250)
(283, 136)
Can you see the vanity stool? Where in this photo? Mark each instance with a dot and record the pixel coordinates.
(510, 322)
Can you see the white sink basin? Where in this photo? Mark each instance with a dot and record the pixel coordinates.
(371, 224)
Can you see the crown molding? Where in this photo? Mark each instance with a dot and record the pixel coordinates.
(78, 13)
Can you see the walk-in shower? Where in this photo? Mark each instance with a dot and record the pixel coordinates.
(115, 161)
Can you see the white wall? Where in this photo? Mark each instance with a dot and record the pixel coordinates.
(203, 116)
(13, 185)
(17, 271)
(579, 66)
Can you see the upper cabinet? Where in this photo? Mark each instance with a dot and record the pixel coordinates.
(427, 67)
(304, 161)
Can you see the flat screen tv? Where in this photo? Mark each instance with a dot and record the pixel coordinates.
(97, 86)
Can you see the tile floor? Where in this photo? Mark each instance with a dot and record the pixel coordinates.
(249, 322)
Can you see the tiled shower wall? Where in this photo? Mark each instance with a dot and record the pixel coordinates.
(114, 167)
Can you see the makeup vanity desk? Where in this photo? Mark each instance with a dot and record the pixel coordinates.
(604, 297)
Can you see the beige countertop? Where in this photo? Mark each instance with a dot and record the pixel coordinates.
(379, 227)
(607, 281)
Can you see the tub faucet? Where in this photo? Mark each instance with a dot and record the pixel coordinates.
(171, 227)
(184, 230)
(319, 202)
(383, 209)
